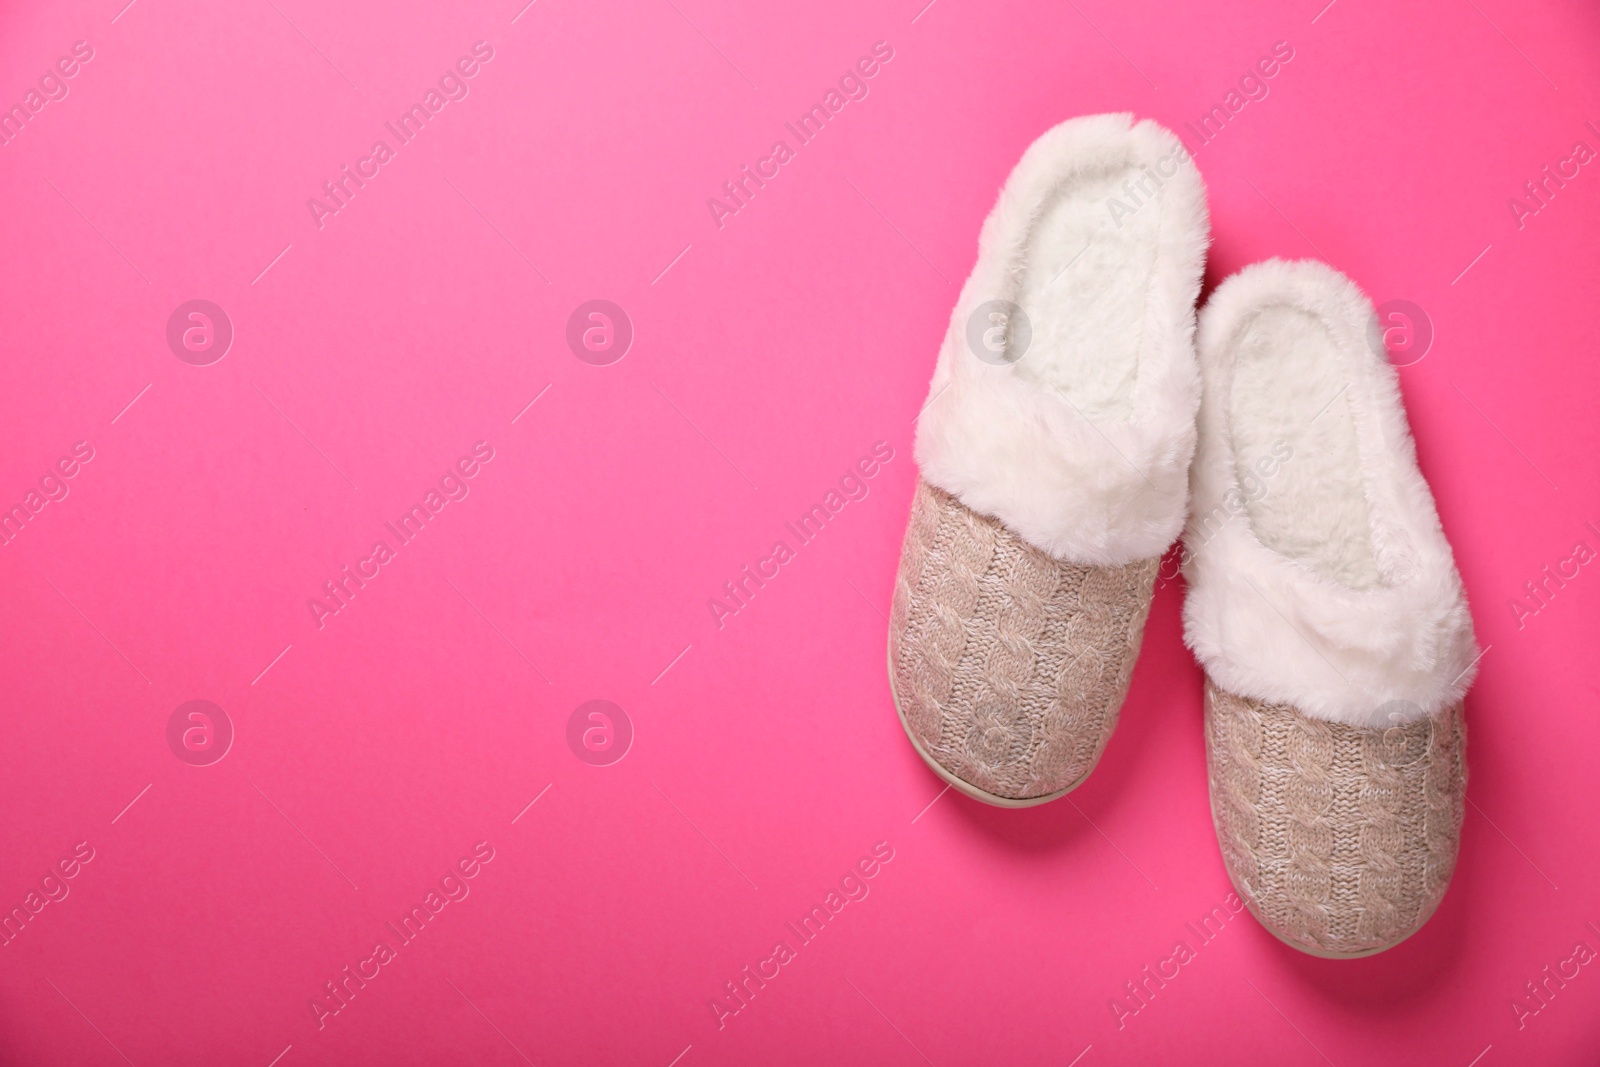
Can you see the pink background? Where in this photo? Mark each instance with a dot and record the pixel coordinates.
(372, 754)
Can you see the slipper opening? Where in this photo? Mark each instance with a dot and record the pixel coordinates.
(1296, 454)
(1085, 282)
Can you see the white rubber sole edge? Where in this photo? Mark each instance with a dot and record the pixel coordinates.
(964, 786)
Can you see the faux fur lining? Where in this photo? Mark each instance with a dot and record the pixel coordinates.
(1076, 428)
(1318, 573)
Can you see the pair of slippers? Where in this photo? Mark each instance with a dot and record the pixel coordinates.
(1076, 424)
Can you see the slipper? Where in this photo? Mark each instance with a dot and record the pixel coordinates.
(1053, 449)
(1325, 606)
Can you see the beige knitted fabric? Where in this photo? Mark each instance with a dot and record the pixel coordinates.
(1341, 839)
(1008, 667)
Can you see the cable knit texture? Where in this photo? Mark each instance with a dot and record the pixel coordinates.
(1341, 839)
(1008, 666)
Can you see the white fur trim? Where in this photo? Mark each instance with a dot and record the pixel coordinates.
(1083, 445)
(1356, 613)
